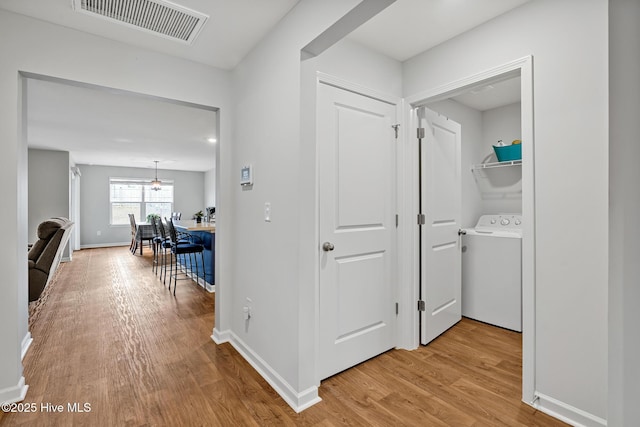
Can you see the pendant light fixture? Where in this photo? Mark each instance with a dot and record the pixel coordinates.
(155, 184)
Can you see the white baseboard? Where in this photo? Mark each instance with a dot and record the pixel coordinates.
(220, 337)
(299, 401)
(104, 245)
(15, 393)
(26, 343)
(567, 413)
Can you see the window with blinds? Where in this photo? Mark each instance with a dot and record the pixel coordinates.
(130, 195)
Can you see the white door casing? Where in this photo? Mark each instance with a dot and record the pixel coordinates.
(356, 169)
(441, 206)
(522, 67)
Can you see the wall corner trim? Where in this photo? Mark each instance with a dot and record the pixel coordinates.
(299, 401)
(220, 337)
(26, 343)
(566, 413)
(15, 393)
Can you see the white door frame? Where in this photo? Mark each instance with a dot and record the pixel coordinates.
(408, 205)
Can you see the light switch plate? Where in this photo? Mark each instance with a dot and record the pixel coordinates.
(267, 212)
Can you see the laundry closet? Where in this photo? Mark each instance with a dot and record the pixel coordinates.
(491, 193)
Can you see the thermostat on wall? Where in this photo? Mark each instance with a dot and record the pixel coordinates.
(246, 175)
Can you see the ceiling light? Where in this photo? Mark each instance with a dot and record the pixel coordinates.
(156, 184)
(481, 89)
(212, 140)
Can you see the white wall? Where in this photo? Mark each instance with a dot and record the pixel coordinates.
(624, 241)
(29, 45)
(264, 267)
(501, 123)
(355, 63)
(210, 188)
(48, 188)
(505, 191)
(188, 192)
(568, 41)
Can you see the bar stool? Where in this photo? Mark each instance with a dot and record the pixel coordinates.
(158, 239)
(165, 243)
(182, 247)
(134, 242)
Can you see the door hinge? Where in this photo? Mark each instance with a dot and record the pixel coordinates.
(397, 220)
(420, 133)
(422, 306)
(395, 128)
(397, 309)
(422, 219)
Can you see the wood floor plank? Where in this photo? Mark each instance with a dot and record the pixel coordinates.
(109, 334)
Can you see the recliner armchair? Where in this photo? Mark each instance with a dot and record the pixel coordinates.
(44, 256)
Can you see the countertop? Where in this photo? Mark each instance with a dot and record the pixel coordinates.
(192, 225)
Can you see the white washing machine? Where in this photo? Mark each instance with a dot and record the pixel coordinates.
(492, 271)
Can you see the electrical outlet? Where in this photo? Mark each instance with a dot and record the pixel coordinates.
(99, 233)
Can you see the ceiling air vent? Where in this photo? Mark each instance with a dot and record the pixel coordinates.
(156, 16)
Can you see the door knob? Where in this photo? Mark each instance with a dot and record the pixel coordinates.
(327, 246)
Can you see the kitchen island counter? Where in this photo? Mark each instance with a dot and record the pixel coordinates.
(203, 233)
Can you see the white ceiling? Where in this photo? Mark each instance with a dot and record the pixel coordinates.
(58, 114)
(409, 27)
(105, 127)
(494, 95)
(232, 30)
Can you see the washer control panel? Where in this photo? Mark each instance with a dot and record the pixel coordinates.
(505, 222)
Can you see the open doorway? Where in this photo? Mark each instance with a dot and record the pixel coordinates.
(104, 134)
(482, 196)
(518, 194)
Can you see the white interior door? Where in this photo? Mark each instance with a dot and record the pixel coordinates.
(441, 205)
(356, 149)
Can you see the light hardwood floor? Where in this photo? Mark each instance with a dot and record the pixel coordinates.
(111, 336)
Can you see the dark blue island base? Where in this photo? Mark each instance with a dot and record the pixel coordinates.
(208, 240)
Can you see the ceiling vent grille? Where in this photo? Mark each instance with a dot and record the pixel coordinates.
(156, 16)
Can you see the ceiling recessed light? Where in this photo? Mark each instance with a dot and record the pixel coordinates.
(212, 140)
(481, 89)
